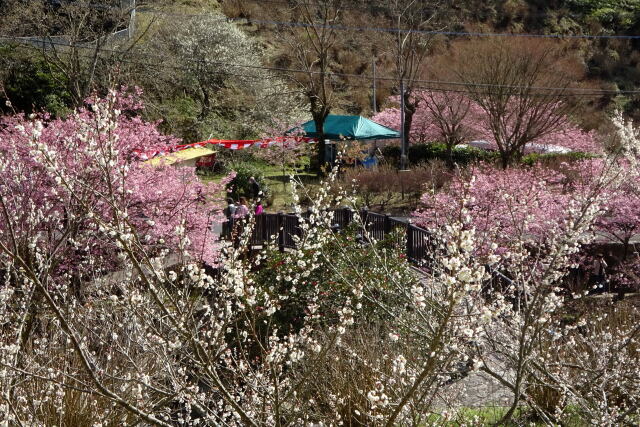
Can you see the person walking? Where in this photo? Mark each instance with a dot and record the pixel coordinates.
(255, 188)
(230, 213)
(242, 210)
(230, 210)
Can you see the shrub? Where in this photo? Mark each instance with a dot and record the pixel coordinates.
(391, 153)
(554, 159)
(462, 156)
(332, 278)
(420, 153)
(241, 186)
(376, 186)
(380, 187)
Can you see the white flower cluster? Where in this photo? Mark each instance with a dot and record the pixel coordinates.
(333, 331)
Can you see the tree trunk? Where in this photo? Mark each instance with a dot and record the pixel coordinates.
(506, 157)
(504, 160)
(318, 119)
(449, 154)
(409, 111)
(206, 103)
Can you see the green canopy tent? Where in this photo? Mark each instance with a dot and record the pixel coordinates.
(339, 128)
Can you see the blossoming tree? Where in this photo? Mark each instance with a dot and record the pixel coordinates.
(455, 119)
(527, 221)
(66, 168)
(507, 207)
(435, 119)
(340, 329)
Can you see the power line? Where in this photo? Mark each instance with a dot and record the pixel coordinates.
(350, 85)
(434, 32)
(376, 5)
(564, 91)
(285, 2)
(385, 5)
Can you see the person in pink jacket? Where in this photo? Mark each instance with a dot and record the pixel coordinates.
(259, 208)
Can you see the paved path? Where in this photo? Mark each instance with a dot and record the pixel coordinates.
(479, 389)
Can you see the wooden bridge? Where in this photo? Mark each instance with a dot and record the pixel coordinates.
(418, 245)
(379, 226)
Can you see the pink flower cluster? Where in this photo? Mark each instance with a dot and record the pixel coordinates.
(80, 170)
(427, 126)
(506, 206)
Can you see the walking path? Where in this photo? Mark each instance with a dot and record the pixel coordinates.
(480, 390)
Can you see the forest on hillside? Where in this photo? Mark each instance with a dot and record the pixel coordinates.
(223, 68)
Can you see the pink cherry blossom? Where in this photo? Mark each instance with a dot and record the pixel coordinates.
(82, 169)
(436, 112)
(506, 206)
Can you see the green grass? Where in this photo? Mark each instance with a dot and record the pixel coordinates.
(485, 416)
(278, 183)
(281, 188)
(491, 415)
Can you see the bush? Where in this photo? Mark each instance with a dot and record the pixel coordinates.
(554, 159)
(420, 153)
(391, 153)
(228, 160)
(334, 276)
(241, 187)
(381, 186)
(460, 155)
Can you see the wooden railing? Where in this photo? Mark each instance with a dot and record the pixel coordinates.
(285, 226)
(418, 241)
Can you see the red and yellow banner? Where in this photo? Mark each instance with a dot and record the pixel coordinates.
(231, 144)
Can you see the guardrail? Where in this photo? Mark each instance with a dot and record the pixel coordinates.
(282, 228)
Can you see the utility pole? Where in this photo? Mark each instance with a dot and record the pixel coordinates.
(403, 137)
(375, 107)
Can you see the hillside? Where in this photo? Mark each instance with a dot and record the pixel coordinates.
(608, 64)
(202, 83)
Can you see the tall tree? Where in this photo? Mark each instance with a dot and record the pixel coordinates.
(449, 118)
(521, 85)
(410, 46)
(452, 116)
(310, 48)
(210, 82)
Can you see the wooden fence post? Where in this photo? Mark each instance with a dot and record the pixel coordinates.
(347, 216)
(281, 231)
(386, 226)
(409, 244)
(264, 235)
